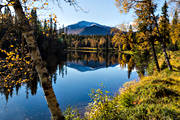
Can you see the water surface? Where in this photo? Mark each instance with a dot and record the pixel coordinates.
(73, 78)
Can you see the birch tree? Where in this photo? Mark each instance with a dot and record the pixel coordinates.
(40, 65)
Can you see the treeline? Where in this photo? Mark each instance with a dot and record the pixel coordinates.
(16, 64)
(92, 41)
(153, 34)
(45, 32)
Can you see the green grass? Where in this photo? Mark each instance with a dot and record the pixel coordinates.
(155, 97)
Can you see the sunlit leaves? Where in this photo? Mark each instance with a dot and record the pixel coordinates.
(175, 29)
(124, 38)
(14, 69)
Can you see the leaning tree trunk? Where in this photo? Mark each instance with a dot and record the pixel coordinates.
(162, 44)
(155, 56)
(166, 56)
(52, 101)
(40, 66)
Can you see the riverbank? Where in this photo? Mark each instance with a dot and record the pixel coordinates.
(95, 50)
(154, 97)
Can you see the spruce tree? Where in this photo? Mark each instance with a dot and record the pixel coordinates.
(175, 30)
(34, 21)
(164, 32)
(51, 26)
(145, 10)
(175, 18)
(164, 24)
(55, 34)
(45, 25)
(131, 38)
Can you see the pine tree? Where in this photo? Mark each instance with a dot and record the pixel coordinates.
(164, 32)
(55, 34)
(34, 21)
(55, 27)
(51, 26)
(45, 25)
(164, 24)
(145, 10)
(175, 29)
(131, 38)
(175, 18)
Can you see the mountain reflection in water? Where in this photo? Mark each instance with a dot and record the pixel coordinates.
(73, 75)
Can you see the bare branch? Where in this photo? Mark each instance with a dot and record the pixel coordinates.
(73, 3)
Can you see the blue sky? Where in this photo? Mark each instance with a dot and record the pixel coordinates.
(99, 11)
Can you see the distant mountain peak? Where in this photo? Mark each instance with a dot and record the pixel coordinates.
(85, 22)
(88, 28)
(81, 24)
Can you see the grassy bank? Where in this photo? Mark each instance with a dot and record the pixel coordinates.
(155, 97)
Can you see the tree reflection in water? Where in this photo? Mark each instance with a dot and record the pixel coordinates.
(94, 60)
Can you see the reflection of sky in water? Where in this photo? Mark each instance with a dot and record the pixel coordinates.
(20, 108)
(73, 89)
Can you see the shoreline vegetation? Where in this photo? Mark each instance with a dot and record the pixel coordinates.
(95, 50)
(155, 96)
